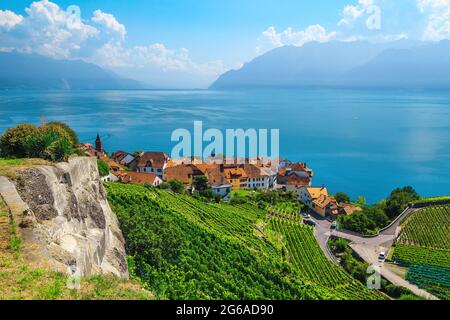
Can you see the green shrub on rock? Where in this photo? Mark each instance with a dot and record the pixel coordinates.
(54, 142)
(13, 143)
(73, 136)
(51, 143)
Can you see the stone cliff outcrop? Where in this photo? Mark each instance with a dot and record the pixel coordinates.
(65, 220)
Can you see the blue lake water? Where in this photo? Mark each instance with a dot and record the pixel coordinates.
(361, 142)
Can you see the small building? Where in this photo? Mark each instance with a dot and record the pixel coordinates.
(122, 157)
(140, 178)
(237, 178)
(293, 180)
(184, 173)
(151, 162)
(111, 177)
(269, 178)
(94, 151)
(348, 209)
(222, 190)
(254, 178)
(325, 205)
(307, 195)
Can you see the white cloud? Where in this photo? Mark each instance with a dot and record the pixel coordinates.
(274, 37)
(114, 55)
(9, 19)
(44, 30)
(49, 30)
(438, 19)
(354, 12)
(109, 21)
(291, 37)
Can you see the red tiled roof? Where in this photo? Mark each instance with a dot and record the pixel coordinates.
(235, 173)
(252, 171)
(114, 166)
(138, 178)
(215, 176)
(184, 173)
(324, 200)
(119, 156)
(152, 159)
(293, 179)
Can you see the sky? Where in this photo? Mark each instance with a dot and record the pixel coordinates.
(189, 43)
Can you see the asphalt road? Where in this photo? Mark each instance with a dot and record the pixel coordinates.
(369, 249)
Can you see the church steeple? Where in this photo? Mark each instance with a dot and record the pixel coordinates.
(98, 144)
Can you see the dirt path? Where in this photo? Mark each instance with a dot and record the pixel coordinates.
(5, 230)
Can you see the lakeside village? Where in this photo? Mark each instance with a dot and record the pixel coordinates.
(155, 168)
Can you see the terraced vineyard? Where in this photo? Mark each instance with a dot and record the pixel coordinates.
(308, 259)
(429, 228)
(424, 246)
(182, 248)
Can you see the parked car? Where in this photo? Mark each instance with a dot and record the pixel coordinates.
(334, 225)
(309, 222)
(382, 256)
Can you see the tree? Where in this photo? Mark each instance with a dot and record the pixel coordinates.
(176, 186)
(13, 143)
(399, 199)
(361, 201)
(103, 168)
(377, 215)
(342, 197)
(200, 184)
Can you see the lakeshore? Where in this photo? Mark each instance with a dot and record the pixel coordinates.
(364, 142)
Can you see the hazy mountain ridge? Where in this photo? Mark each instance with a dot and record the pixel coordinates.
(400, 64)
(31, 71)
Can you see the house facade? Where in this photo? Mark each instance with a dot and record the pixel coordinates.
(237, 178)
(222, 190)
(151, 162)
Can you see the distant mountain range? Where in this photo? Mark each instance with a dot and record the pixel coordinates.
(31, 71)
(401, 64)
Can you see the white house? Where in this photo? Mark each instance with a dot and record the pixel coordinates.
(259, 177)
(222, 190)
(269, 178)
(110, 178)
(151, 162)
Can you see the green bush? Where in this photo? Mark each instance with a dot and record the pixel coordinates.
(176, 186)
(13, 141)
(51, 142)
(103, 168)
(164, 186)
(73, 136)
(338, 245)
(342, 197)
(375, 217)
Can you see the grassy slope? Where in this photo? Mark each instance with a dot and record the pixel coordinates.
(9, 167)
(18, 281)
(224, 252)
(424, 245)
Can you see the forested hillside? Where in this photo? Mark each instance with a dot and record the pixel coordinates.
(182, 248)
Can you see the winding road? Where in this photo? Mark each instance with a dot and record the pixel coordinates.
(369, 248)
